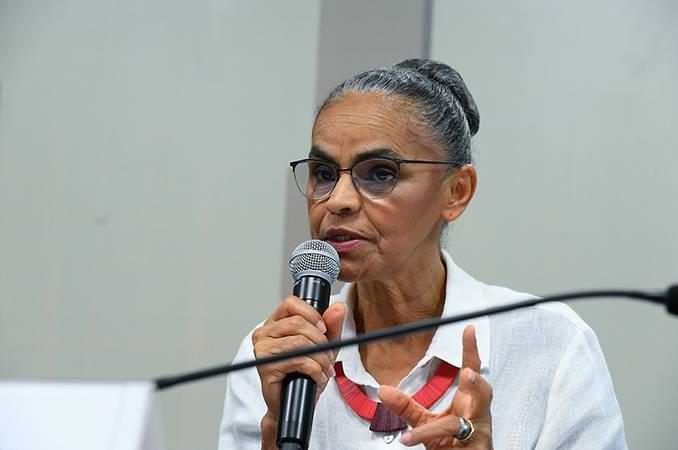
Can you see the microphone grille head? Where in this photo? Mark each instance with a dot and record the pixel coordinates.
(315, 257)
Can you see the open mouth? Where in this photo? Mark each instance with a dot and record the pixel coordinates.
(343, 243)
(340, 238)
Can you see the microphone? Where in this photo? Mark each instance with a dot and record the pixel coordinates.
(314, 266)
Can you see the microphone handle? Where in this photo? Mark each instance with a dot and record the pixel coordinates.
(297, 399)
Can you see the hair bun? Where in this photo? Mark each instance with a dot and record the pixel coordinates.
(451, 80)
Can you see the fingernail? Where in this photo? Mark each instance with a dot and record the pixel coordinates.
(473, 376)
(332, 372)
(406, 438)
(321, 326)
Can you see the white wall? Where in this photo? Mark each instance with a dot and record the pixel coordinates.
(143, 159)
(577, 153)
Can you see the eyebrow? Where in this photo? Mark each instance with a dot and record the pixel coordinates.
(317, 152)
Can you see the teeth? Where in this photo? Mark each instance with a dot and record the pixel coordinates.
(341, 238)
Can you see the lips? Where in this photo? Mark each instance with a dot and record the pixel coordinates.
(340, 234)
(342, 239)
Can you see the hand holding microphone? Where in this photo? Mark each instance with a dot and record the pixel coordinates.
(301, 320)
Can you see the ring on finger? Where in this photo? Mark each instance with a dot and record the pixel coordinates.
(466, 430)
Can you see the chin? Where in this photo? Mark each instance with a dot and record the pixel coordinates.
(350, 274)
(357, 273)
(348, 278)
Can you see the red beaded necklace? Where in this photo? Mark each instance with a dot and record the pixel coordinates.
(381, 419)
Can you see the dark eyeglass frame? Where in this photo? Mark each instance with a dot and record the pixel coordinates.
(397, 161)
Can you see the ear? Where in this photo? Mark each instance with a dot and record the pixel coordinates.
(459, 190)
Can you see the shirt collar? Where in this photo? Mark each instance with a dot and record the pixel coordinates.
(463, 294)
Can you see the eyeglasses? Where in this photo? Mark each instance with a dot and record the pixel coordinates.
(374, 178)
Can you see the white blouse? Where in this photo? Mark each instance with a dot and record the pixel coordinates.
(552, 389)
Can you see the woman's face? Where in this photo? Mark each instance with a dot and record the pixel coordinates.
(379, 238)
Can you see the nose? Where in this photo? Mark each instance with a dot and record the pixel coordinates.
(345, 198)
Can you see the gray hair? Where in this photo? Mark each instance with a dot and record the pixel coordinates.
(441, 100)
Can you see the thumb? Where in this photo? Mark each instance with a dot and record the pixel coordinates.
(478, 390)
(402, 405)
(334, 320)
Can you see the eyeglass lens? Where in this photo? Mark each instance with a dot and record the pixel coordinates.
(374, 177)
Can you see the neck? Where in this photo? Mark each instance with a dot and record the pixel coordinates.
(417, 293)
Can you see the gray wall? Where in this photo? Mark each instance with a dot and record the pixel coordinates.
(131, 229)
(577, 154)
(354, 36)
(135, 138)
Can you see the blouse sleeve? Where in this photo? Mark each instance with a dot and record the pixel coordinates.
(582, 411)
(243, 407)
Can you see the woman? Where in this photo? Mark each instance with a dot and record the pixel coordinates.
(389, 168)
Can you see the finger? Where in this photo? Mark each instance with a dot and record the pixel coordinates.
(298, 326)
(470, 357)
(289, 343)
(295, 325)
(441, 429)
(306, 366)
(402, 405)
(478, 389)
(294, 306)
(334, 319)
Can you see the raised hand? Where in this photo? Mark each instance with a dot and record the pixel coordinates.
(436, 431)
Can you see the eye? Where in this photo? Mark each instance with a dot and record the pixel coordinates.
(381, 174)
(323, 172)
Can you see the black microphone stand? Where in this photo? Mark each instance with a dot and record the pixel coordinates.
(668, 298)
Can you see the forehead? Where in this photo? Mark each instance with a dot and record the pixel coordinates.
(361, 122)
